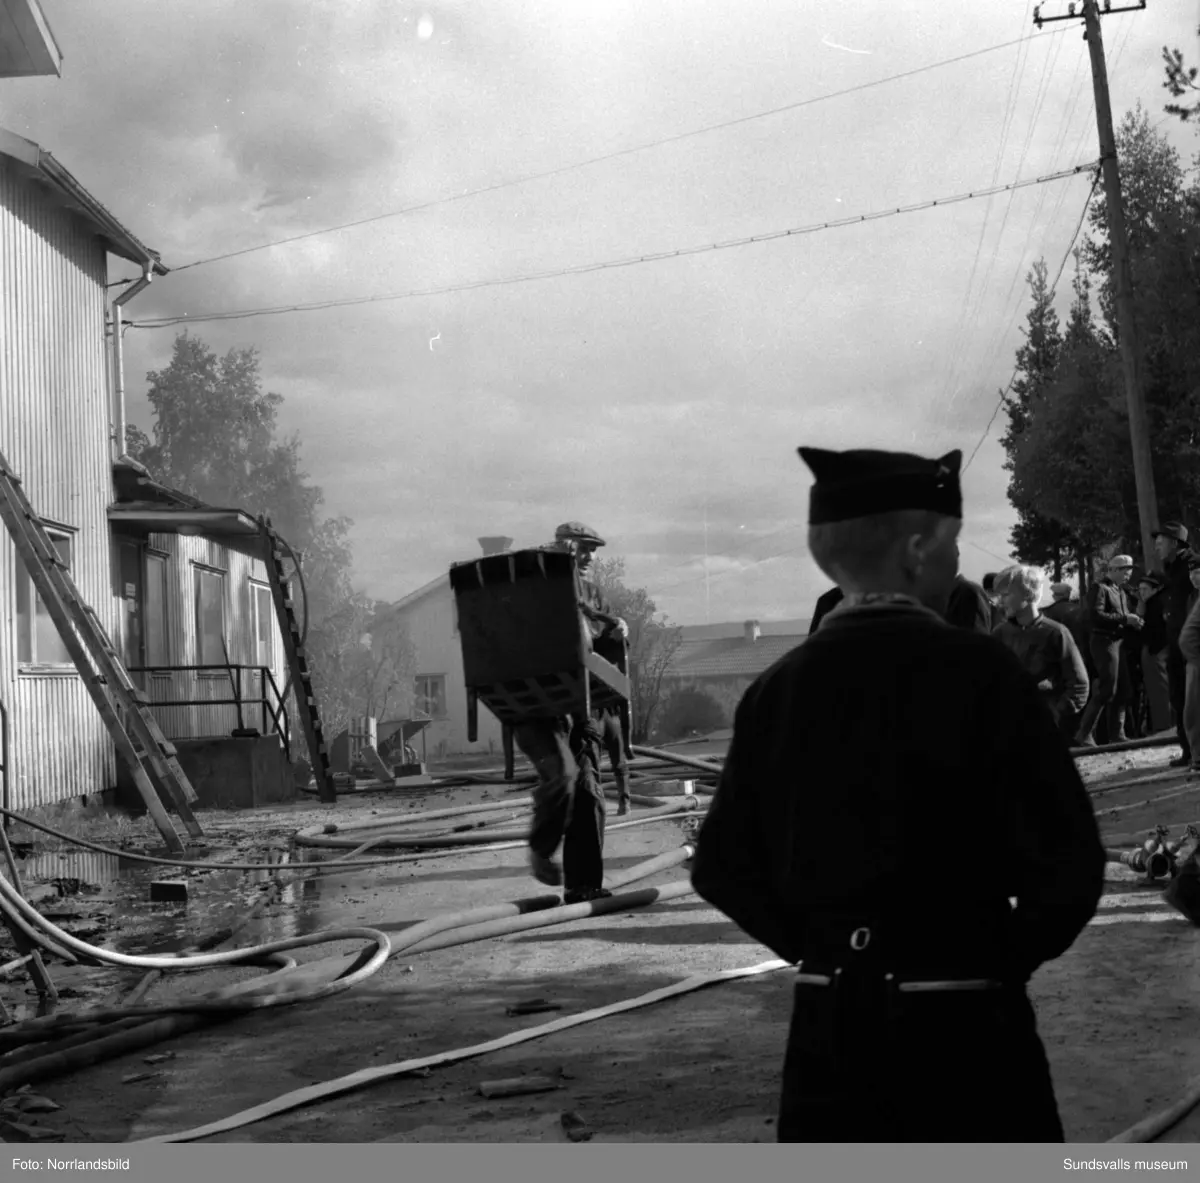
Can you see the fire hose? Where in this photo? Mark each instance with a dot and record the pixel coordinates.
(80, 1045)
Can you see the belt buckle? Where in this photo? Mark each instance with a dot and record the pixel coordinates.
(860, 938)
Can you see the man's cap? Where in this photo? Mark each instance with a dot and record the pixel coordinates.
(1120, 562)
(1175, 530)
(1060, 591)
(577, 532)
(1153, 580)
(861, 483)
(988, 582)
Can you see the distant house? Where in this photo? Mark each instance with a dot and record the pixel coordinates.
(722, 666)
(430, 616)
(175, 583)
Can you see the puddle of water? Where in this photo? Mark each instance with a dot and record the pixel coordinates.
(105, 900)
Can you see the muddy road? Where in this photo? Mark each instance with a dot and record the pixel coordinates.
(1117, 1012)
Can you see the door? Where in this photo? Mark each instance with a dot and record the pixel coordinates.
(133, 602)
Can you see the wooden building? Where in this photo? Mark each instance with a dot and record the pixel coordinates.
(178, 585)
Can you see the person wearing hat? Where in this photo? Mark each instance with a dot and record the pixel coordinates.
(568, 803)
(1154, 652)
(893, 1002)
(1189, 646)
(583, 543)
(1171, 547)
(1112, 620)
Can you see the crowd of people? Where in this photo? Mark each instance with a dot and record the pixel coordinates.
(1122, 662)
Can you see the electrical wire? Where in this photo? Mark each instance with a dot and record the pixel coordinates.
(1053, 288)
(658, 143)
(1038, 103)
(612, 264)
(1053, 217)
(1014, 84)
(1082, 76)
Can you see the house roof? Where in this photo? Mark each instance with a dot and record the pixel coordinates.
(736, 628)
(177, 519)
(421, 592)
(143, 504)
(134, 484)
(729, 657)
(38, 165)
(27, 45)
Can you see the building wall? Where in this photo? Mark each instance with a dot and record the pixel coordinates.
(54, 431)
(431, 626)
(241, 570)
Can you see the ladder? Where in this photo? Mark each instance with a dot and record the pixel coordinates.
(301, 679)
(151, 758)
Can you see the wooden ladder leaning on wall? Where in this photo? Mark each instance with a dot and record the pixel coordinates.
(150, 756)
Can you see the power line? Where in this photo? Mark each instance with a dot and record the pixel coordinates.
(1014, 84)
(565, 168)
(585, 268)
(1053, 288)
(1082, 79)
(1039, 100)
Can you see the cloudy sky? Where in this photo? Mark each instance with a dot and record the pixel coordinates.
(660, 402)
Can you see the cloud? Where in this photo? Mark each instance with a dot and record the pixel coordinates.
(641, 400)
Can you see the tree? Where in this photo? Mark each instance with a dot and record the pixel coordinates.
(1180, 81)
(1036, 538)
(653, 643)
(688, 710)
(368, 663)
(1065, 456)
(215, 438)
(1072, 457)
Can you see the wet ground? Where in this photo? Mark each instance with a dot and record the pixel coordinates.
(1117, 1012)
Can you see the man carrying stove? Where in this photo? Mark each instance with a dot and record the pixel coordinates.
(568, 803)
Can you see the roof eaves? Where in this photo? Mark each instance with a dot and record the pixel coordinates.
(117, 239)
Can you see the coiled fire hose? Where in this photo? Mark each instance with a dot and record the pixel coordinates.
(290, 983)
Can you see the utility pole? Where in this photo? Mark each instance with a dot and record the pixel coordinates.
(1139, 425)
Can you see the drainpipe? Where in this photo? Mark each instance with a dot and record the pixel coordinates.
(118, 442)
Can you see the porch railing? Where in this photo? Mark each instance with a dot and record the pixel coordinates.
(270, 705)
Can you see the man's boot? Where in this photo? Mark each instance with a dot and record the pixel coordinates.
(622, 796)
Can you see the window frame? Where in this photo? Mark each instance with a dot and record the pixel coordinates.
(152, 557)
(258, 586)
(421, 700)
(199, 570)
(26, 625)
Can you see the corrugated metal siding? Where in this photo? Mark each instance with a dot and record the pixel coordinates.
(430, 623)
(54, 427)
(240, 568)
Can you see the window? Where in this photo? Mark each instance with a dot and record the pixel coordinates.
(38, 642)
(263, 611)
(210, 616)
(431, 695)
(155, 620)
